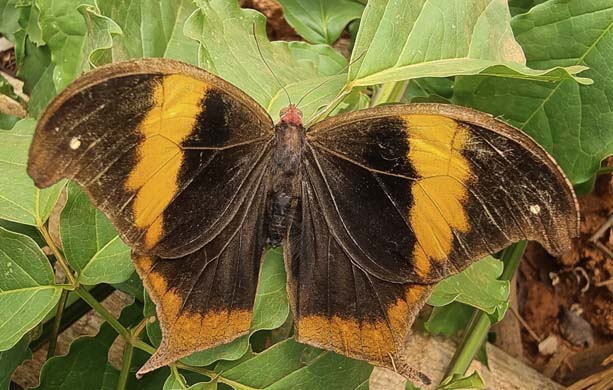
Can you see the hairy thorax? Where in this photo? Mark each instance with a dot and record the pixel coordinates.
(285, 177)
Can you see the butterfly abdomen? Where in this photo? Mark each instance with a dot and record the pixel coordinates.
(284, 178)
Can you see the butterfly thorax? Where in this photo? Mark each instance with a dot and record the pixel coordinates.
(285, 173)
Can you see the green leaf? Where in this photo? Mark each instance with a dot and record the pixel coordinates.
(449, 320)
(20, 200)
(401, 40)
(457, 382)
(11, 359)
(173, 383)
(9, 18)
(228, 48)
(521, 6)
(320, 21)
(35, 68)
(151, 29)
(27, 291)
(85, 366)
(290, 365)
(91, 244)
(270, 311)
(429, 89)
(77, 34)
(477, 286)
(573, 122)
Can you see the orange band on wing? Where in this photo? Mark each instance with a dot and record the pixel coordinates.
(160, 157)
(435, 149)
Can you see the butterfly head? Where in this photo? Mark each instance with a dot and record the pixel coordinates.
(291, 115)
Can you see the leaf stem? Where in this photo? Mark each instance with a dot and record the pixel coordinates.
(480, 322)
(56, 252)
(108, 317)
(126, 363)
(391, 92)
(605, 170)
(57, 320)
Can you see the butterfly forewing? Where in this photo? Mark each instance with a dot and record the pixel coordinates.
(155, 143)
(438, 185)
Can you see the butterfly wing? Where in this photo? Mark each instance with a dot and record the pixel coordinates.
(176, 158)
(439, 185)
(163, 148)
(399, 197)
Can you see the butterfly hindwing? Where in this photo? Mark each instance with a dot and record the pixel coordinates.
(438, 185)
(206, 298)
(154, 142)
(341, 307)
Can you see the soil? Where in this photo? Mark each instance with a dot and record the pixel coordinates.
(571, 297)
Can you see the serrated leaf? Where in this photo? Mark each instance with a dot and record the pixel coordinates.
(11, 359)
(228, 48)
(91, 244)
(27, 290)
(320, 21)
(271, 310)
(291, 365)
(573, 122)
(477, 286)
(468, 37)
(20, 200)
(151, 29)
(77, 34)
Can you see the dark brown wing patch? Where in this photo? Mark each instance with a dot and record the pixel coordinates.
(340, 307)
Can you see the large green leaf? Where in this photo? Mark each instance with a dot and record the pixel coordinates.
(401, 40)
(20, 200)
(290, 365)
(27, 291)
(573, 122)
(11, 359)
(270, 311)
(91, 244)
(86, 366)
(228, 48)
(151, 29)
(76, 33)
(477, 286)
(320, 21)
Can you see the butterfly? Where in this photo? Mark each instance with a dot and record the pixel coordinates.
(372, 207)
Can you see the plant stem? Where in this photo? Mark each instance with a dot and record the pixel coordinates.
(57, 320)
(604, 170)
(480, 322)
(390, 93)
(56, 252)
(108, 317)
(126, 363)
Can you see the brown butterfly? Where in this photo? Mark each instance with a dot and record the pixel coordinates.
(372, 207)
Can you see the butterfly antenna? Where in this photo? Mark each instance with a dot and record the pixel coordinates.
(257, 44)
(329, 79)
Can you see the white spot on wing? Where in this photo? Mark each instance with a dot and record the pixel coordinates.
(535, 209)
(75, 143)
